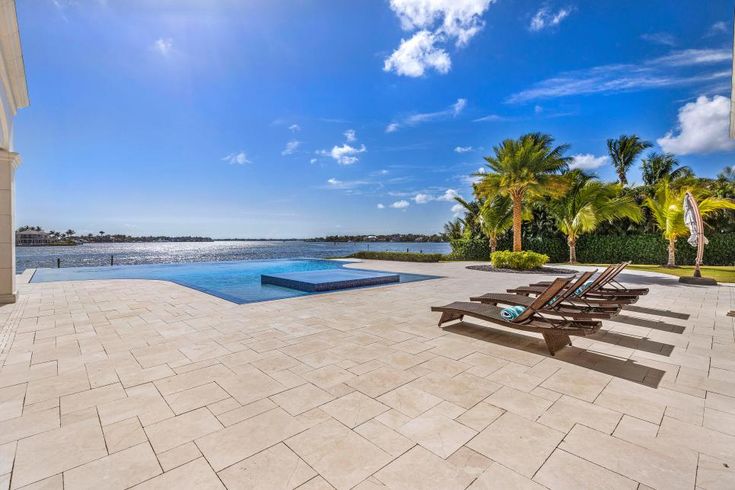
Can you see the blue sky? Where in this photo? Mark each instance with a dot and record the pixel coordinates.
(300, 118)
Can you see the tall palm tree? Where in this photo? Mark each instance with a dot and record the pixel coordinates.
(70, 232)
(586, 204)
(657, 166)
(623, 152)
(453, 229)
(523, 169)
(727, 174)
(667, 208)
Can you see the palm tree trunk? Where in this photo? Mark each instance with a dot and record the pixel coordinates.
(517, 222)
(622, 177)
(493, 244)
(572, 242)
(672, 253)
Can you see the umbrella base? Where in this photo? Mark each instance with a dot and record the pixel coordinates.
(701, 281)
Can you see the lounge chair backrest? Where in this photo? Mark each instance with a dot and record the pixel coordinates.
(601, 278)
(542, 300)
(573, 287)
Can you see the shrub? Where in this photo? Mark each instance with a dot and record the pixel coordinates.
(398, 256)
(518, 260)
(469, 249)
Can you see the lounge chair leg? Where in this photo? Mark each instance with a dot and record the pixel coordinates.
(448, 316)
(556, 341)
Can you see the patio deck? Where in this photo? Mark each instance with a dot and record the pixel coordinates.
(113, 384)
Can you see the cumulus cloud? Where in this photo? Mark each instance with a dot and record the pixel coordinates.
(381, 206)
(435, 23)
(587, 161)
(239, 158)
(448, 195)
(345, 154)
(703, 128)
(294, 128)
(422, 198)
(463, 149)
(350, 135)
(545, 18)
(457, 209)
(402, 204)
(416, 55)
(392, 127)
(313, 161)
(163, 46)
(291, 148)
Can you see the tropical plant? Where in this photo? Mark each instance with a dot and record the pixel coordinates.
(667, 208)
(658, 166)
(623, 152)
(523, 169)
(527, 260)
(70, 232)
(472, 228)
(587, 203)
(727, 174)
(453, 229)
(496, 218)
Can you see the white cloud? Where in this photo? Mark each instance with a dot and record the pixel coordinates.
(718, 28)
(587, 161)
(663, 38)
(313, 161)
(453, 110)
(671, 70)
(437, 23)
(463, 149)
(345, 154)
(334, 181)
(350, 135)
(291, 148)
(239, 158)
(416, 55)
(381, 206)
(457, 209)
(422, 198)
(336, 184)
(402, 204)
(490, 117)
(448, 195)
(545, 18)
(164, 46)
(294, 128)
(703, 128)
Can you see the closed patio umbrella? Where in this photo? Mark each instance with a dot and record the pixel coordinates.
(693, 221)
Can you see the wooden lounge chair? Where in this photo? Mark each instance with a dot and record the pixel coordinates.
(556, 332)
(558, 305)
(588, 297)
(608, 285)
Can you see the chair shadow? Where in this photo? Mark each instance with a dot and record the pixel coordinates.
(642, 344)
(656, 311)
(642, 322)
(613, 366)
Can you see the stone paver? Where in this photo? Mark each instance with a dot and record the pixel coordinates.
(147, 384)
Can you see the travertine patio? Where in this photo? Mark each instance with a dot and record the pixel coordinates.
(113, 384)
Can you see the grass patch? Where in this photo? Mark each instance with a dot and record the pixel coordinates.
(720, 273)
(397, 256)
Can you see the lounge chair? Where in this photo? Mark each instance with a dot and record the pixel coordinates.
(558, 305)
(608, 284)
(589, 296)
(556, 332)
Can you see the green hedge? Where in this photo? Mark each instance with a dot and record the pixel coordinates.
(524, 261)
(398, 256)
(605, 249)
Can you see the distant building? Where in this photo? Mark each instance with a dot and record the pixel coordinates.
(30, 238)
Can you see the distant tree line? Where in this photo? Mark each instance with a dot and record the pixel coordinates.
(396, 237)
(70, 237)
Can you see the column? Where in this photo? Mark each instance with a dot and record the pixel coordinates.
(9, 161)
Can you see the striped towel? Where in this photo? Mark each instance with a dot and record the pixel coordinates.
(512, 312)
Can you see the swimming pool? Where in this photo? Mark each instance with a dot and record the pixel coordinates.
(236, 281)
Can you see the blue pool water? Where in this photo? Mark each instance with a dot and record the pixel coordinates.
(236, 281)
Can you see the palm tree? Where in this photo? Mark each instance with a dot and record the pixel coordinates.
(70, 232)
(471, 220)
(496, 217)
(657, 166)
(667, 208)
(586, 204)
(727, 174)
(623, 152)
(453, 229)
(102, 233)
(523, 169)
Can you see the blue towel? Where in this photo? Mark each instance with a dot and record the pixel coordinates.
(512, 312)
(581, 289)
